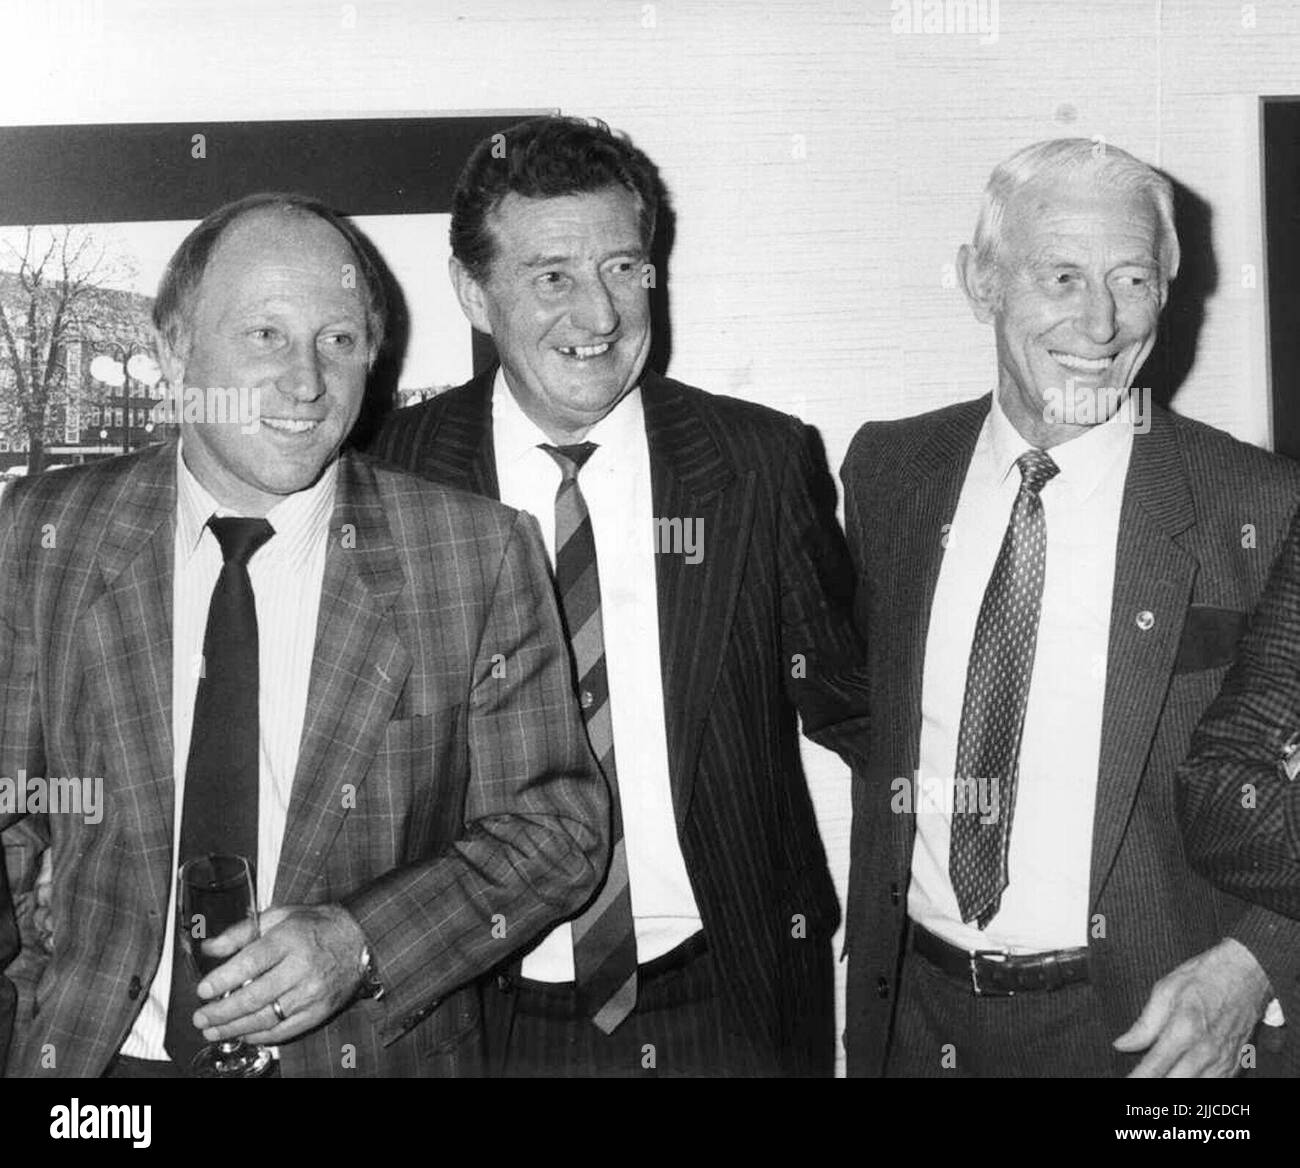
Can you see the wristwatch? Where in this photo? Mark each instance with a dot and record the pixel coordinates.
(371, 987)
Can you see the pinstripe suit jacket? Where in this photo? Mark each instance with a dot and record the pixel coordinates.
(444, 776)
(1251, 845)
(774, 582)
(1184, 556)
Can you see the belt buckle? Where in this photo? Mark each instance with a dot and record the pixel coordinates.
(978, 990)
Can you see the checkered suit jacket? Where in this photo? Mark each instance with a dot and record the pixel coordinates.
(8, 948)
(1240, 792)
(759, 631)
(445, 793)
(1183, 556)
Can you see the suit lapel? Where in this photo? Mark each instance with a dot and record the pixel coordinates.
(461, 448)
(358, 670)
(1153, 587)
(926, 500)
(692, 479)
(126, 633)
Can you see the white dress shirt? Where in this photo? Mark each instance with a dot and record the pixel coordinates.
(615, 482)
(1045, 905)
(286, 574)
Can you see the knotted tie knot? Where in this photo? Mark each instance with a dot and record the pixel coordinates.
(571, 458)
(239, 537)
(1036, 468)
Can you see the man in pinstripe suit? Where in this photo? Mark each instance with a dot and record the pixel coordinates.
(1104, 555)
(711, 639)
(425, 798)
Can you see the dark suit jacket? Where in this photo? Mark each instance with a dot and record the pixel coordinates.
(761, 626)
(432, 793)
(8, 951)
(1184, 556)
(1240, 795)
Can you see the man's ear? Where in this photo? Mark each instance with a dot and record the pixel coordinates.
(979, 282)
(473, 300)
(170, 362)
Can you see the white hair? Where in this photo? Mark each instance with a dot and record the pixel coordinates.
(1044, 161)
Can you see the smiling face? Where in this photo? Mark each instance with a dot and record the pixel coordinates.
(1074, 301)
(273, 317)
(565, 303)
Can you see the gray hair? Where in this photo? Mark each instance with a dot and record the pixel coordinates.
(1054, 157)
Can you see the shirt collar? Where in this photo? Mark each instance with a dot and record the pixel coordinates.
(515, 435)
(1085, 462)
(299, 519)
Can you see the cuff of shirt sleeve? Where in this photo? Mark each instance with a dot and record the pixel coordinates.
(1274, 941)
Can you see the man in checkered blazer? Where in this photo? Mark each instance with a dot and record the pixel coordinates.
(438, 807)
(1239, 795)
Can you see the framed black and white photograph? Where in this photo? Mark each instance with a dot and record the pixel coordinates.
(90, 214)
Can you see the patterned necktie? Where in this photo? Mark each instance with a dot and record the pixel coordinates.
(604, 939)
(219, 815)
(993, 711)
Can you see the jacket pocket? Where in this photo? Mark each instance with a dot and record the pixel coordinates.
(1210, 637)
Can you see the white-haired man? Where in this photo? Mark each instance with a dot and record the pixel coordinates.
(1053, 580)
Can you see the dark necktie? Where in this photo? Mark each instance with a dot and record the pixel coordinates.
(604, 938)
(221, 776)
(993, 710)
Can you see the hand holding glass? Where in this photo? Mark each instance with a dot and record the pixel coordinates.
(213, 893)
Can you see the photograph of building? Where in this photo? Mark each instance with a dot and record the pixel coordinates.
(79, 379)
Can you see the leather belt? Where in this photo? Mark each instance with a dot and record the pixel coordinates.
(992, 973)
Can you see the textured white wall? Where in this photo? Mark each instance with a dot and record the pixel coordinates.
(825, 167)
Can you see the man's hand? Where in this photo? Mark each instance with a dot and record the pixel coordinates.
(1199, 1016)
(307, 958)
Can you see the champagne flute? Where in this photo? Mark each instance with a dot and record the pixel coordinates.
(213, 893)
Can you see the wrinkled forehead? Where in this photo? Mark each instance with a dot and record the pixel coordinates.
(522, 220)
(1082, 213)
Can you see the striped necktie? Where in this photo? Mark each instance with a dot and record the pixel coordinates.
(604, 939)
(993, 710)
